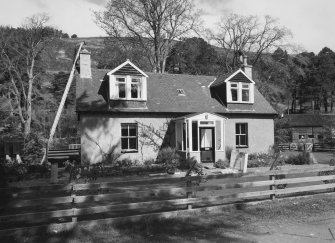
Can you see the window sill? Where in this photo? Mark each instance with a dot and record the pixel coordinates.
(240, 102)
(125, 151)
(134, 99)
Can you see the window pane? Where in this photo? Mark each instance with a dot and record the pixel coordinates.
(195, 136)
(245, 86)
(234, 94)
(134, 91)
(120, 80)
(122, 91)
(237, 140)
(233, 85)
(135, 80)
(243, 140)
(243, 128)
(124, 131)
(132, 130)
(245, 95)
(124, 143)
(238, 128)
(132, 143)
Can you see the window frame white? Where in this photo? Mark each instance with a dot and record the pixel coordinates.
(239, 89)
(128, 137)
(246, 134)
(128, 82)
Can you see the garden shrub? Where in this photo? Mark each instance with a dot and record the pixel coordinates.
(262, 160)
(222, 164)
(169, 158)
(148, 162)
(299, 159)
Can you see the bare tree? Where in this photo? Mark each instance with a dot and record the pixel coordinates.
(152, 25)
(248, 34)
(20, 51)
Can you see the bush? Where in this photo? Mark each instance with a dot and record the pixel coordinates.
(262, 160)
(169, 158)
(74, 36)
(222, 164)
(299, 159)
(148, 162)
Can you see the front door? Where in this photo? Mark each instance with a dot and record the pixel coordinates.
(206, 144)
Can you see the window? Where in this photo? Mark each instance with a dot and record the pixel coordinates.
(129, 87)
(241, 135)
(320, 137)
(245, 92)
(234, 91)
(135, 88)
(129, 137)
(195, 135)
(121, 84)
(240, 92)
(310, 136)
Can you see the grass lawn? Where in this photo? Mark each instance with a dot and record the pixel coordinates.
(289, 220)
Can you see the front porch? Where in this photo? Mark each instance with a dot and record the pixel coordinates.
(202, 136)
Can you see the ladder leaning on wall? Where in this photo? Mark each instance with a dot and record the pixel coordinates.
(61, 105)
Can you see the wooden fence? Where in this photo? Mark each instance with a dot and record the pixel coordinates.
(62, 207)
(315, 147)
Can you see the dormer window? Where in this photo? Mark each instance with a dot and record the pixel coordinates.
(127, 82)
(234, 91)
(121, 86)
(240, 92)
(135, 88)
(245, 92)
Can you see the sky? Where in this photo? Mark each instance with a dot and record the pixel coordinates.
(311, 21)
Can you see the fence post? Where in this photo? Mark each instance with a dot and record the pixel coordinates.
(73, 195)
(272, 187)
(189, 193)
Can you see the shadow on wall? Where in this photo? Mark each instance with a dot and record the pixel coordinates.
(98, 141)
(155, 139)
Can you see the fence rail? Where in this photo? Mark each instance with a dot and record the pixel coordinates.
(77, 203)
(314, 146)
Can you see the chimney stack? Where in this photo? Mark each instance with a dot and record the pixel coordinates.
(247, 68)
(85, 64)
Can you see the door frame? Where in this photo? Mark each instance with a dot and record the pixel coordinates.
(213, 143)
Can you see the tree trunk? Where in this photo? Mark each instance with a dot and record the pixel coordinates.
(26, 127)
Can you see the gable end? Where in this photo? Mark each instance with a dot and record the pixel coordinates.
(127, 70)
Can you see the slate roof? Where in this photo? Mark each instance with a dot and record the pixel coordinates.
(310, 120)
(162, 95)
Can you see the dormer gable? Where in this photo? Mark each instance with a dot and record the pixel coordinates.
(240, 88)
(127, 82)
(236, 87)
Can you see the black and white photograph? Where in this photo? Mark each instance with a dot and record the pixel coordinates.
(167, 121)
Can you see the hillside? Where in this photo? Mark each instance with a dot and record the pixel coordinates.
(60, 53)
(286, 81)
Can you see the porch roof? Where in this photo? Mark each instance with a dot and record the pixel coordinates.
(197, 114)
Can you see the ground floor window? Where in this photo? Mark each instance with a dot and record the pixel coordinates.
(241, 134)
(129, 137)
